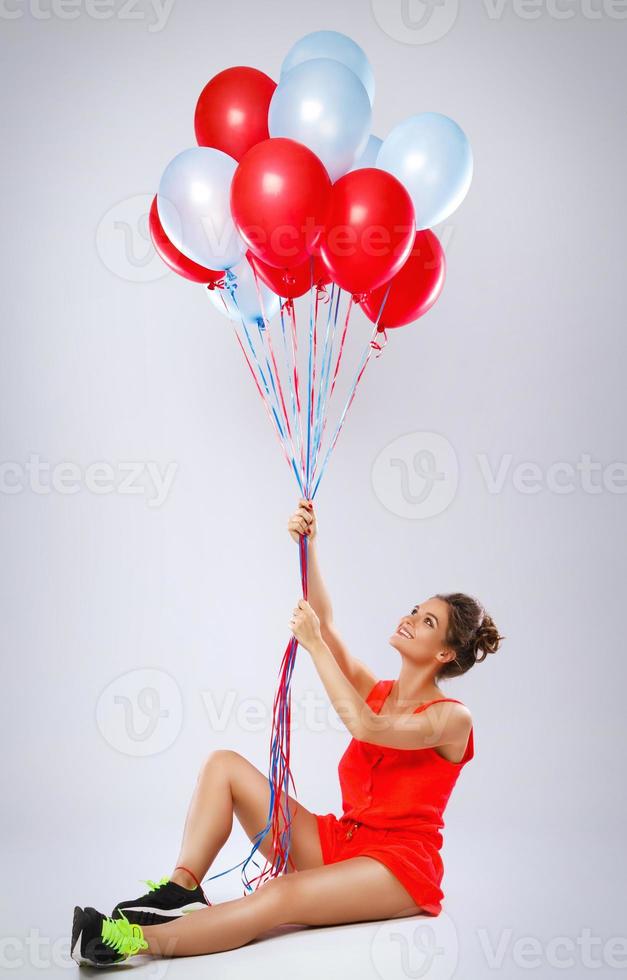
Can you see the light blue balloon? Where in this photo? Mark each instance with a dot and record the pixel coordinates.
(369, 156)
(194, 208)
(430, 154)
(322, 104)
(338, 47)
(246, 304)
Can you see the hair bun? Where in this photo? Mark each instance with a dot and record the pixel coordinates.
(471, 634)
(487, 638)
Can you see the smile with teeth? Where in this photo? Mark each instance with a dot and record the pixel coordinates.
(404, 632)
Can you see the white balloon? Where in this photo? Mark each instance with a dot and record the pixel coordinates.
(338, 47)
(323, 104)
(430, 154)
(194, 207)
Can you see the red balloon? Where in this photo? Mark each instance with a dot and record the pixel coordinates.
(294, 282)
(232, 110)
(370, 229)
(279, 201)
(414, 289)
(172, 257)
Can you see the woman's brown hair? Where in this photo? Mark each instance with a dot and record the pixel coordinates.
(471, 633)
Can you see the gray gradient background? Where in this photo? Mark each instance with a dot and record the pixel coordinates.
(523, 355)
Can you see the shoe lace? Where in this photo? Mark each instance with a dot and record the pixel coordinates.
(123, 936)
(153, 885)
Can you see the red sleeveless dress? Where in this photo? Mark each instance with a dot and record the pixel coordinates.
(393, 801)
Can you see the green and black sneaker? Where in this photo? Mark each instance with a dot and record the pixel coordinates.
(98, 940)
(163, 902)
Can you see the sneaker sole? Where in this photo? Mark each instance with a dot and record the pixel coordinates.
(144, 915)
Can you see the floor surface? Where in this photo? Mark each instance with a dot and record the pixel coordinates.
(511, 910)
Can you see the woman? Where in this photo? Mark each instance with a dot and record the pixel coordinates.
(381, 859)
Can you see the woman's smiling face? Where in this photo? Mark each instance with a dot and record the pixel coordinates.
(421, 634)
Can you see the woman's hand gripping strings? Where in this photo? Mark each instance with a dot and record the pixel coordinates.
(310, 625)
(305, 622)
(303, 521)
(305, 626)
(348, 703)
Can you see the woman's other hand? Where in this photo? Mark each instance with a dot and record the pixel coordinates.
(305, 625)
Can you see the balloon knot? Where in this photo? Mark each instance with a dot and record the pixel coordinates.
(359, 297)
(379, 347)
(322, 293)
(288, 306)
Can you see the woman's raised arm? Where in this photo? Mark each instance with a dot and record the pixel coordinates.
(302, 521)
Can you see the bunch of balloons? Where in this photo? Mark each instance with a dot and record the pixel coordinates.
(289, 171)
(288, 193)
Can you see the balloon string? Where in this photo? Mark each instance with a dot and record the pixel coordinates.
(279, 776)
(326, 361)
(292, 378)
(322, 422)
(294, 338)
(309, 398)
(279, 818)
(231, 280)
(372, 345)
(313, 301)
(265, 340)
(321, 294)
(267, 336)
(231, 286)
(270, 408)
(381, 308)
(339, 356)
(279, 815)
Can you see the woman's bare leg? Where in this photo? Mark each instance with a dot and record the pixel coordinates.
(229, 784)
(359, 889)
